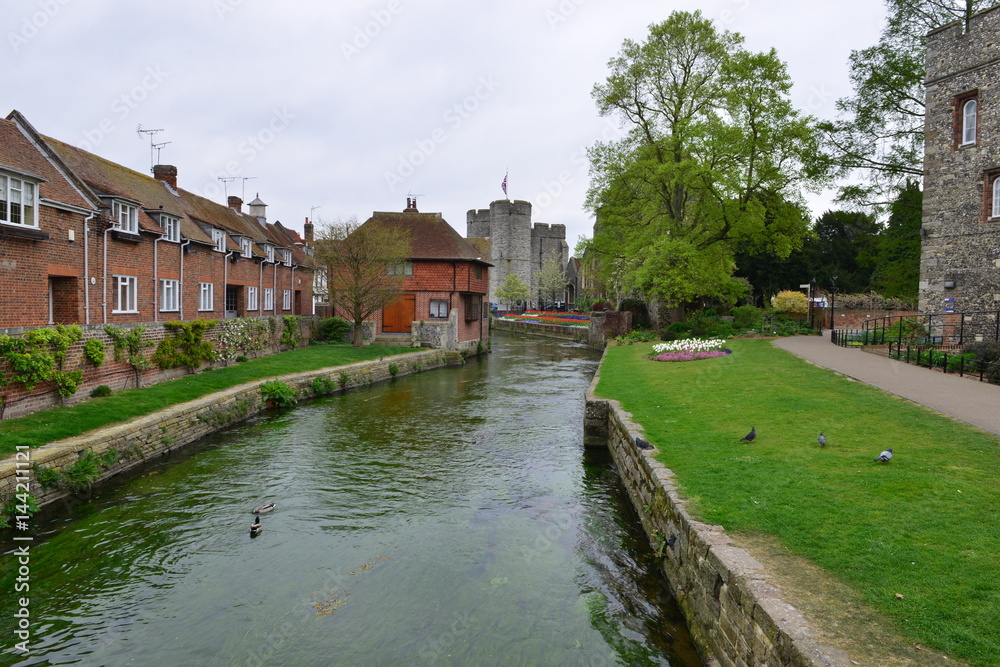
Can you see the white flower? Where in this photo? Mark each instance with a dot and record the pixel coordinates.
(689, 345)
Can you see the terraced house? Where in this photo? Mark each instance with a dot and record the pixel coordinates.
(86, 241)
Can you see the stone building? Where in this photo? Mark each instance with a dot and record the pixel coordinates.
(504, 232)
(960, 259)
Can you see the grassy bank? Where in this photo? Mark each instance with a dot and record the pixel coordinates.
(918, 539)
(50, 425)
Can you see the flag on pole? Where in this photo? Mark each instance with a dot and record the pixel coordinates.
(503, 185)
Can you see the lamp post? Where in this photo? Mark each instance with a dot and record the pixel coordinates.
(833, 301)
(812, 303)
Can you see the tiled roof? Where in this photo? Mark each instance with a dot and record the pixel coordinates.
(18, 153)
(430, 236)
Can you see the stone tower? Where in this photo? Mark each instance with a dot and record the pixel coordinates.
(960, 254)
(514, 245)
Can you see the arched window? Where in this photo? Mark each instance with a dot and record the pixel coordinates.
(969, 112)
(996, 198)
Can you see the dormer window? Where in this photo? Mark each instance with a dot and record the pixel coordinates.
(245, 247)
(17, 201)
(126, 217)
(219, 238)
(286, 255)
(171, 228)
(270, 253)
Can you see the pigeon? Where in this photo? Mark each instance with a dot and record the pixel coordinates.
(255, 527)
(642, 444)
(885, 456)
(821, 439)
(750, 436)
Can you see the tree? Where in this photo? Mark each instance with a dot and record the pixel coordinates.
(512, 290)
(551, 280)
(362, 261)
(714, 158)
(894, 259)
(879, 135)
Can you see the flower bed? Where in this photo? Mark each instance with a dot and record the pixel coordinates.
(691, 349)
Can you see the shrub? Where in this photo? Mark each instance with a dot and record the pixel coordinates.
(278, 393)
(185, 346)
(101, 390)
(333, 329)
(93, 350)
(746, 317)
(322, 386)
(393, 369)
(987, 351)
(640, 315)
(583, 303)
(290, 336)
(790, 301)
(668, 335)
(343, 379)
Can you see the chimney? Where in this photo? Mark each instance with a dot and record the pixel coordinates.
(236, 203)
(166, 173)
(307, 231)
(411, 205)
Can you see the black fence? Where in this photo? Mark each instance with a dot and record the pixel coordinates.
(942, 360)
(941, 329)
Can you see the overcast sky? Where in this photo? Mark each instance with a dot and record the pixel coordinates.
(350, 106)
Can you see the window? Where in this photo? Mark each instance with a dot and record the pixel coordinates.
(270, 253)
(287, 255)
(251, 298)
(124, 297)
(126, 217)
(969, 117)
(995, 212)
(219, 238)
(171, 228)
(401, 269)
(268, 298)
(168, 295)
(473, 305)
(245, 247)
(206, 296)
(286, 299)
(439, 308)
(17, 201)
(479, 272)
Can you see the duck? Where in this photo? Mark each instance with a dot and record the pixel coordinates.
(255, 527)
(264, 509)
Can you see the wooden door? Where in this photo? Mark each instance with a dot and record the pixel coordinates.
(398, 317)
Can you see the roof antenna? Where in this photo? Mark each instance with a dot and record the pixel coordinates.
(312, 210)
(226, 180)
(245, 179)
(140, 130)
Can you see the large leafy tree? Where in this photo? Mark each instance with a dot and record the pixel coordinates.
(361, 259)
(713, 158)
(878, 138)
(894, 259)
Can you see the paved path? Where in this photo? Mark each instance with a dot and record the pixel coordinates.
(969, 400)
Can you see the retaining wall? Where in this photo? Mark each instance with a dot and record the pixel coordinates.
(735, 616)
(578, 334)
(125, 446)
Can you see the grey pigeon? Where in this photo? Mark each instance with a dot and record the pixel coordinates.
(821, 439)
(642, 444)
(885, 456)
(750, 436)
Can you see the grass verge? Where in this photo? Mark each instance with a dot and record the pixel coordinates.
(47, 426)
(918, 539)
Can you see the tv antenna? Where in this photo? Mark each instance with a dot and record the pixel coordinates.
(226, 180)
(311, 211)
(413, 196)
(140, 130)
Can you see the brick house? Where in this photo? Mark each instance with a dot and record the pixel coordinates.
(960, 254)
(86, 241)
(444, 302)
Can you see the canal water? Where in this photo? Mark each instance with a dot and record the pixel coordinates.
(447, 518)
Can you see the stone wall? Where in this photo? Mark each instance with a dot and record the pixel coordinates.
(579, 334)
(959, 266)
(125, 446)
(735, 616)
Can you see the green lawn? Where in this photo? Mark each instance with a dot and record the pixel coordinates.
(50, 425)
(925, 526)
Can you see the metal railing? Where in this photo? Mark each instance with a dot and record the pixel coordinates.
(941, 360)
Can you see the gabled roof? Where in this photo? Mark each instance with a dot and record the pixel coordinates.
(430, 236)
(19, 153)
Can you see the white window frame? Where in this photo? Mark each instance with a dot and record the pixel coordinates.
(246, 247)
(219, 238)
(126, 217)
(125, 294)
(18, 199)
(206, 296)
(286, 299)
(171, 228)
(995, 190)
(268, 298)
(436, 312)
(251, 298)
(169, 295)
(270, 253)
(970, 117)
(287, 254)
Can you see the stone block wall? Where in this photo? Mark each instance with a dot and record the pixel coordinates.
(578, 334)
(735, 616)
(145, 438)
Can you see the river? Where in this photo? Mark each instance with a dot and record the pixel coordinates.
(451, 517)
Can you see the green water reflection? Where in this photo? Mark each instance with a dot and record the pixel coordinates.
(448, 518)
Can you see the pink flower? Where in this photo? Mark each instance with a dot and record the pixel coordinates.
(690, 356)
